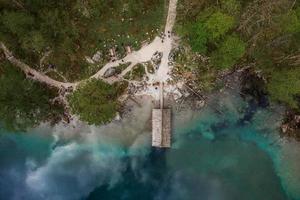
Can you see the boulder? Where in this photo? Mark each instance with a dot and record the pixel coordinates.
(200, 104)
(110, 72)
(97, 56)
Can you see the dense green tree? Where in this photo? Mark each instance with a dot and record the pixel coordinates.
(284, 86)
(95, 102)
(17, 22)
(199, 37)
(23, 103)
(229, 52)
(232, 7)
(290, 22)
(208, 28)
(218, 24)
(34, 41)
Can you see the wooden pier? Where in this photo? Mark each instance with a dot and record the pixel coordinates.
(161, 124)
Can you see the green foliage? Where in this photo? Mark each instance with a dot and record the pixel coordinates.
(232, 7)
(34, 42)
(187, 62)
(290, 21)
(137, 73)
(95, 102)
(17, 22)
(206, 78)
(207, 30)
(23, 103)
(150, 68)
(199, 37)
(218, 24)
(230, 51)
(284, 86)
(122, 66)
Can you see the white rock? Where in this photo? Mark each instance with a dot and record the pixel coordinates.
(97, 56)
(89, 60)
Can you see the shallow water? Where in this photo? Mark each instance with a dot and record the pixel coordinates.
(227, 151)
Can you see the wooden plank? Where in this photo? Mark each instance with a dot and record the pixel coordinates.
(161, 128)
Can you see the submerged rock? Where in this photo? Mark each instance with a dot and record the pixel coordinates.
(200, 104)
(291, 125)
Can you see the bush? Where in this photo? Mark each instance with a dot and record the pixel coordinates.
(284, 86)
(17, 22)
(199, 38)
(230, 51)
(218, 24)
(95, 102)
(290, 22)
(232, 7)
(34, 41)
(208, 29)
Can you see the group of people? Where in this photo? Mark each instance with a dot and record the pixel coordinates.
(164, 35)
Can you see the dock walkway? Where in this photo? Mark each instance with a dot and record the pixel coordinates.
(161, 124)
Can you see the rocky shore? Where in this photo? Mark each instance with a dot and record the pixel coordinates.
(253, 88)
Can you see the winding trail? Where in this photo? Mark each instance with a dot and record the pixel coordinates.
(32, 73)
(143, 55)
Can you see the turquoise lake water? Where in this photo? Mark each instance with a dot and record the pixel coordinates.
(229, 150)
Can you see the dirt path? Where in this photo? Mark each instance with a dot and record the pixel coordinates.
(32, 73)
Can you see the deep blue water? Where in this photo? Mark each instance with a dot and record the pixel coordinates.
(229, 154)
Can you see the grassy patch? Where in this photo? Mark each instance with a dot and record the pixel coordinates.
(137, 73)
(122, 67)
(150, 68)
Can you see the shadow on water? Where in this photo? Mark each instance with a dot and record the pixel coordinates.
(140, 182)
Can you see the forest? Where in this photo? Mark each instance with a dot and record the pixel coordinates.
(234, 34)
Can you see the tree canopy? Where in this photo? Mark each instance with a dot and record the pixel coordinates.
(95, 102)
(24, 103)
(209, 27)
(218, 24)
(284, 87)
(230, 51)
(231, 7)
(290, 21)
(199, 38)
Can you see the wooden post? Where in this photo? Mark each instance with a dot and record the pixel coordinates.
(161, 95)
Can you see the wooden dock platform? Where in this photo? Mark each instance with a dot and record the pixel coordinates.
(161, 124)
